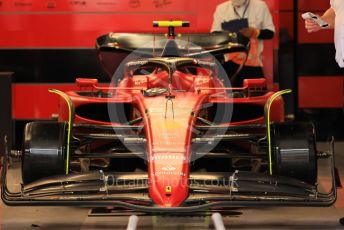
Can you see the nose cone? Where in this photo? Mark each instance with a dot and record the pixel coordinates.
(169, 195)
(168, 179)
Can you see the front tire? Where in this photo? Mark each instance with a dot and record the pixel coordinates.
(294, 151)
(44, 152)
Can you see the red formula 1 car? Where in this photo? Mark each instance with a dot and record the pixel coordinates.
(170, 135)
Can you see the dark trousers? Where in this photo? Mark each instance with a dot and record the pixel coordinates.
(247, 72)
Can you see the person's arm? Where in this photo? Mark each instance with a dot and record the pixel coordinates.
(251, 32)
(216, 26)
(329, 16)
(266, 29)
(266, 34)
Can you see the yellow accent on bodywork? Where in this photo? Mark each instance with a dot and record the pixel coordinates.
(69, 104)
(169, 23)
(267, 108)
(168, 189)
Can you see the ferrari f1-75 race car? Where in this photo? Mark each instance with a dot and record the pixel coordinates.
(170, 134)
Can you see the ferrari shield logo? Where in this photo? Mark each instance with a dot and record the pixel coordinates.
(168, 189)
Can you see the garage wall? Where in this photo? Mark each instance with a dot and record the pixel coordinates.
(306, 62)
(318, 74)
(76, 23)
(49, 43)
(318, 78)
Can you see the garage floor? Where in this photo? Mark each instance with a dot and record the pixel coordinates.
(22, 218)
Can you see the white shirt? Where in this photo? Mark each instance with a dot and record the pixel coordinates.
(338, 7)
(257, 13)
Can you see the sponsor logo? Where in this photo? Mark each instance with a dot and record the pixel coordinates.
(168, 157)
(169, 173)
(168, 189)
(134, 3)
(168, 168)
(161, 3)
(51, 4)
(106, 3)
(78, 3)
(22, 3)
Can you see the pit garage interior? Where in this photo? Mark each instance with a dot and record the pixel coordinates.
(48, 44)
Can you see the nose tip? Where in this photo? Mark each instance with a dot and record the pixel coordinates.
(168, 205)
(168, 202)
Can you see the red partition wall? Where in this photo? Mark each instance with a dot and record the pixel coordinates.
(48, 43)
(286, 14)
(313, 68)
(320, 80)
(76, 23)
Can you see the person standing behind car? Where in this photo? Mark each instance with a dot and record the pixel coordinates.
(260, 27)
(334, 16)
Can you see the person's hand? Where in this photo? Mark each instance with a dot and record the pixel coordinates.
(249, 32)
(311, 26)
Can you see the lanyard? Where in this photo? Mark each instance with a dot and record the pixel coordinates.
(243, 15)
